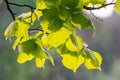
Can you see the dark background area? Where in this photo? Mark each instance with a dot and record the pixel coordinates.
(106, 42)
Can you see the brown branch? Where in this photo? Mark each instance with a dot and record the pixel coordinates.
(9, 9)
(23, 5)
(94, 8)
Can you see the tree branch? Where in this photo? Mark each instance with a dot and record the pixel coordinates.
(9, 9)
(94, 8)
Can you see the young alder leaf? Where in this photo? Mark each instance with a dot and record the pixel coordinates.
(56, 39)
(69, 26)
(51, 15)
(11, 30)
(40, 4)
(70, 45)
(117, 6)
(91, 63)
(97, 1)
(18, 29)
(72, 62)
(32, 47)
(28, 46)
(23, 57)
(40, 62)
(44, 24)
(74, 43)
(70, 3)
(64, 13)
(87, 53)
(82, 20)
(51, 3)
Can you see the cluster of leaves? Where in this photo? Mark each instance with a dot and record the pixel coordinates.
(52, 25)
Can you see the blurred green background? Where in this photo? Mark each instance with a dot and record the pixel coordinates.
(106, 41)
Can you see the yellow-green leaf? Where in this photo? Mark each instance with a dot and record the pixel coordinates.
(89, 64)
(72, 62)
(40, 62)
(44, 24)
(23, 57)
(41, 4)
(70, 46)
(117, 6)
(75, 45)
(11, 30)
(55, 39)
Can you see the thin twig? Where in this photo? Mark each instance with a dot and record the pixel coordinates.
(23, 5)
(9, 9)
(94, 8)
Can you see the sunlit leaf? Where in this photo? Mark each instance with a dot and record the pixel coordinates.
(70, 45)
(11, 30)
(44, 24)
(23, 57)
(41, 4)
(55, 39)
(74, 43)
(72, 62)
(91, 63)
(40, 62)
(117, 6)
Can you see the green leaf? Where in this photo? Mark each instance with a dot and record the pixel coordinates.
(51, 3)
(87, 53)
(31, 48)
(72, 62)
(51, 15)
(28, 46)
(94, 63)
(64, 13)
(117, 6)
(81, 19)
(69, 26)
(70, 3)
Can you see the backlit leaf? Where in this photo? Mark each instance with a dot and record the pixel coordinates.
(11, 30)
(40, 62)
(117, 6)
(74, 44)
(72, 62)
(41, 4)
(23, 57)
(91, 63)
(55, 39)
